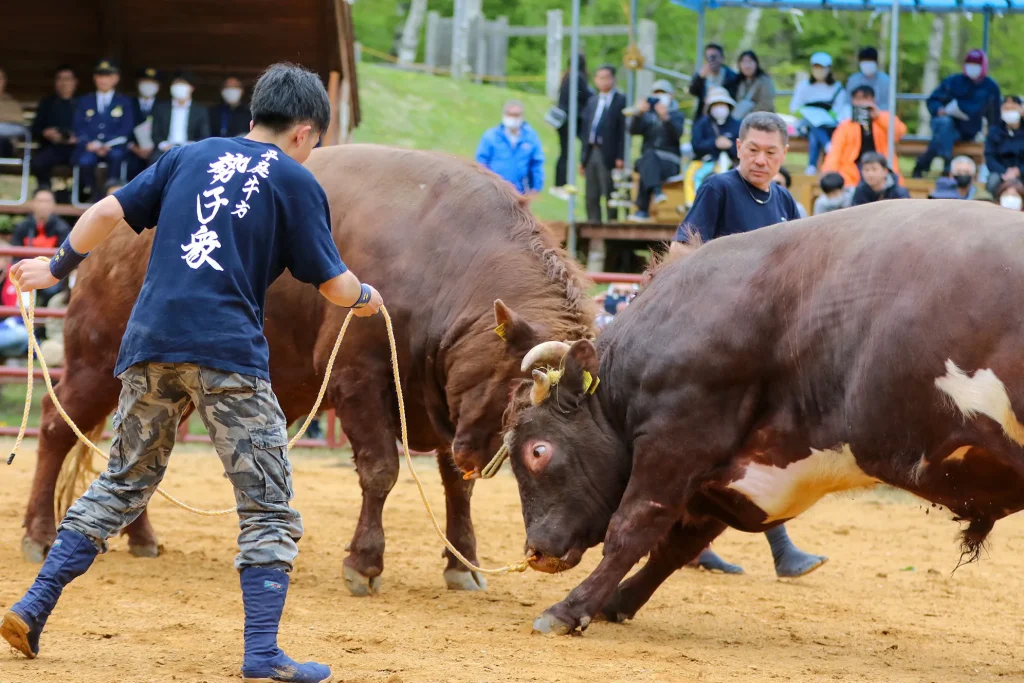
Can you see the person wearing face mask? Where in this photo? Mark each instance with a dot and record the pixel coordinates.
(716, 132)
(866, 132)
(713, 73)
(179, 122)
(141, 145)
(961, 184)
(1010, 195)
(660, 122)
(230, 118)
(103, 126)
(513, 151)
(821, 102)
(870, 76)
(958, 107)
(1004, 146)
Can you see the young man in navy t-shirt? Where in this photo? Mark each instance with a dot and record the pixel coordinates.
(738, 201)
(233, 214)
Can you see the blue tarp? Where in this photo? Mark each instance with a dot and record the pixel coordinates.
(931, 6)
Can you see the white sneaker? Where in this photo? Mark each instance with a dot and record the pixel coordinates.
(811, 170)
(559, 192)
(660, 198)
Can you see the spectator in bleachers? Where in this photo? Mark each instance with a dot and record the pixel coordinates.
(961, 185)
(513, 150)
(660, 122)
(756, 90)
(180, 121)
(784, 179)
(821, 102)
(1004, 146)
(717, 131)
(13, 335)
(712, 73)
(44, 229)
(230, 118)
(103, 126)
(141, 145)
(53, 127)
(1010, 195)
(612, 302)
(12, 119)
(604, 138)
(583, 93)
(869, 75)
(865, 132)
(878, 181)
(834, 195)
(958, 106)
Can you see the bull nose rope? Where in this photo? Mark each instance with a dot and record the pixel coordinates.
(28, 314)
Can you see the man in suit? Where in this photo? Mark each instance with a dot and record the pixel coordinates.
(231, 118)
(142, 111)
(604, 136)
(180, 121)
(53, 126)
(103, 126)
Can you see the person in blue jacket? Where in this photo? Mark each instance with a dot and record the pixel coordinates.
(716, 131)
(1004, 145)
(103, 126)
(513, 151)
(957, 107)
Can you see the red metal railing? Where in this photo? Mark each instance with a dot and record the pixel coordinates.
(333, 436)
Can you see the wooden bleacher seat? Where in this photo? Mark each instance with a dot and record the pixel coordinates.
(805, 189)
(911, 147)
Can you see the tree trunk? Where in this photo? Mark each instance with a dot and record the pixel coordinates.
(411, 32)
(750, 27)
(883, 42)
(931, 71)
(955, 39)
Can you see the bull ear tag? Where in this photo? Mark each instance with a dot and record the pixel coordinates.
(500, 331)
(590, 383)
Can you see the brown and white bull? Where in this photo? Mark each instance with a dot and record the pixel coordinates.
(880, 344)
(442, 240)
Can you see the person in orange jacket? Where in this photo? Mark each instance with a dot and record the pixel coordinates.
(866, 131)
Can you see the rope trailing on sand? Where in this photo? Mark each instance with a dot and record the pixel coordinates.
(28, 314)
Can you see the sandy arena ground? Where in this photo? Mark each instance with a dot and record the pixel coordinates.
(885, 608)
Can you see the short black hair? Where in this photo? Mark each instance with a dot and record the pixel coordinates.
(63, 67)
(830, 182)
(786, 176)
(43, 189)
(766, 122)
(606, 67)
(1012, 98)
(715, 46)
(865, 90)
(868, 54)
(287, 94)
(874, 158)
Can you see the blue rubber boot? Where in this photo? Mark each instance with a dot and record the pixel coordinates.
(790, 561)
(710, 561)
(69, 557)
(263, 594)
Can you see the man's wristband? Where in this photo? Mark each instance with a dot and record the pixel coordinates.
(66, 260)
(365, 293)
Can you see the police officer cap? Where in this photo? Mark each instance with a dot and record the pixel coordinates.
(105, 67)
(148, 73)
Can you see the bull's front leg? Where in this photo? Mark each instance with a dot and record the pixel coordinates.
(640, 522)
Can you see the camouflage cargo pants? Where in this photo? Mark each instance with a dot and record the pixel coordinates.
(248, 430)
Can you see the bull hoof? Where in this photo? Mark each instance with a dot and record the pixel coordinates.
(33, 551)
(464, 580)
(550, 624)
(359, 585)
(145, 550)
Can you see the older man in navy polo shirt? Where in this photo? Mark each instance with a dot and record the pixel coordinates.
(738, 201)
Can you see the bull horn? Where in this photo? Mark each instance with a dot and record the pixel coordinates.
(551, 352)
(541, 387)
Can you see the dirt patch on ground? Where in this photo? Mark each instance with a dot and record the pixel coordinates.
(885, 608)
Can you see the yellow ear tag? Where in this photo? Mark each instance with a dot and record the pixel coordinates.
(590, 382)
(500, 331)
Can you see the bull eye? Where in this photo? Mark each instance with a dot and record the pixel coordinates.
(539, 451)
(539, 457)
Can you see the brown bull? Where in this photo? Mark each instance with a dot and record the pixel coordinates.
(442, 241)
(880, 344)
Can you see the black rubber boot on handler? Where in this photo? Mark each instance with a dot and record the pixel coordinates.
(263, 595)
(790, 561)
(69, 557)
